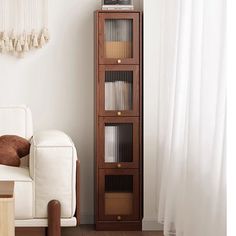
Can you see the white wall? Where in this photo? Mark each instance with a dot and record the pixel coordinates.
(57, 83)
(152, 37)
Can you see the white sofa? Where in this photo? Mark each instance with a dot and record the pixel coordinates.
(48, 173)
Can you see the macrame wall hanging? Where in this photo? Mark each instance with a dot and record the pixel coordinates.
(23, 25)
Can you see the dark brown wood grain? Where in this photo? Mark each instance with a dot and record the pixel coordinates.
(102, 117)
(89, 230)
(141, 113)
(54, 218)
(30, 231)
(119, 226)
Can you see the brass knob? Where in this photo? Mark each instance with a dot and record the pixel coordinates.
(119, 113)
(119, 61)
(118, 217)
(119, 165)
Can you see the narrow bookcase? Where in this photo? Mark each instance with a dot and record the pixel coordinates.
(118, 120)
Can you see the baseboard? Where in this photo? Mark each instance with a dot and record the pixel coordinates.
(150, 224)
(86, 219)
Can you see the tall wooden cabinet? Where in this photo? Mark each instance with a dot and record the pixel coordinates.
(118, 121)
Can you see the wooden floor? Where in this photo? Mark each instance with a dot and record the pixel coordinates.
(88, 230)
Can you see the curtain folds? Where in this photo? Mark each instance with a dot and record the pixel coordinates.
(191, 92)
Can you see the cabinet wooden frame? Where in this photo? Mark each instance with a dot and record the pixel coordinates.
(102, 221)
(135, 90)
(101, 142)
(134, 16)
(124, 172)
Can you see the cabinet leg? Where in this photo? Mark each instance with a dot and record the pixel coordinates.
(54, 218)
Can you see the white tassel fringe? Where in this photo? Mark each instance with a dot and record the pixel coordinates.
(10, 43)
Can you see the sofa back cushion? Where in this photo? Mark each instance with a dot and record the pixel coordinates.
(16, 120)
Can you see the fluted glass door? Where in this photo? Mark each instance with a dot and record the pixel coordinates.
(119, 195)
(119, 191)
(118, 38)
(118, 90)
(119, 142)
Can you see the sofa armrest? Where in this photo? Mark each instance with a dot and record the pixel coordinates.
(53, 170)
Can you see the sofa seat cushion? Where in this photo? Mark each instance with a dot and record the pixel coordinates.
(23, 190)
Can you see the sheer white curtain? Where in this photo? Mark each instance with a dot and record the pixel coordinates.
(191, 116)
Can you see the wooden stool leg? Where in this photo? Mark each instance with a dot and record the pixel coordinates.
(54, 218)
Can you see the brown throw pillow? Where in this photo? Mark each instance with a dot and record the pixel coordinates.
(12, 148)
